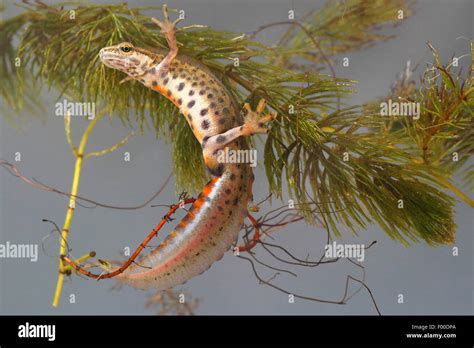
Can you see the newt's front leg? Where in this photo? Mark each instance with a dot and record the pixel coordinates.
(168, 28)
(253, 124)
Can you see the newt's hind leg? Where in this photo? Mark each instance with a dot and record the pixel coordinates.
(256, 237)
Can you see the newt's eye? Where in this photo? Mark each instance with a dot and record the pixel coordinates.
(125, 49)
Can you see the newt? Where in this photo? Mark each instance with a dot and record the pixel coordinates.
(214, 220)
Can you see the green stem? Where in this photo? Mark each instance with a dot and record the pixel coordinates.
(70, 211)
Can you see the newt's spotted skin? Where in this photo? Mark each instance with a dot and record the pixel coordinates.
(214, 220)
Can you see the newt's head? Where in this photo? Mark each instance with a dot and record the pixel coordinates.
(127, 58)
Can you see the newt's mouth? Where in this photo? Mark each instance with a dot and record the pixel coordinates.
(102, 57)
(107, 56)
(110, 60)
(102, 54)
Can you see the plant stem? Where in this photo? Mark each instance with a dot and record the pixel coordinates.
(70, 211)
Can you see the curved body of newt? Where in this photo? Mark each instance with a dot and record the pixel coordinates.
(215, 218)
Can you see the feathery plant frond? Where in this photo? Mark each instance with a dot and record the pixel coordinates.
(444, 133)
(363, 176)
(342, 27)
(18, 98)
(317, 149)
